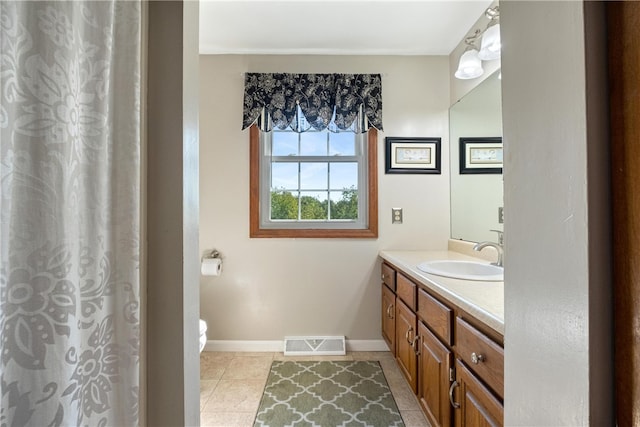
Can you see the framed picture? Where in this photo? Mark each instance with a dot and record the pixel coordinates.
(412, 155)
(481, 155)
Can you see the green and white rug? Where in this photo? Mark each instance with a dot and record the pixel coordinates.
(327, 394)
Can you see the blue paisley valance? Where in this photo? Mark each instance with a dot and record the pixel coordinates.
(277, 100)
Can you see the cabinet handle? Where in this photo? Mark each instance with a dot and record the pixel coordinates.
(453, 403)
(416, 345)
(383, 277)
(406, 336)
(477, 358)
(390, 311)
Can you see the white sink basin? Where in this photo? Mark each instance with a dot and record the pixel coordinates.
(467, 270)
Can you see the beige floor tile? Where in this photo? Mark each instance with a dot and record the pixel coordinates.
(248, 368)
(207, 385)
(372, 355)
(281, 356)
(404, 397)
(392, 373)
(221, 354)
(206, 388)
(213, 364)
(235, 396)
(255, 354)
(227, 419)
(414, 419)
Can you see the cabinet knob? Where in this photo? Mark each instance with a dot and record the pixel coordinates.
(383, 277)
(477, 358)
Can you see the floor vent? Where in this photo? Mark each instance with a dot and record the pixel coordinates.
(314, 346)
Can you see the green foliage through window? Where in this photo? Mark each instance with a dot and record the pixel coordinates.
(284, 206)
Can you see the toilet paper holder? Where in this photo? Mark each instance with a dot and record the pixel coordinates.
(213, 254)
(211, 263)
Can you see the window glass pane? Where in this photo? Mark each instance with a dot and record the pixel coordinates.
(342, 143)
(313, 143)
(284, 176)
(314, 176)
(284, 143)
(344, 204)
(343, 175)
(284, 204)
(313, 205)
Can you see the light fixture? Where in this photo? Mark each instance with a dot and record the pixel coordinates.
(470, 65)
(490, 45)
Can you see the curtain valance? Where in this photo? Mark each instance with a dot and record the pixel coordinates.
(275, 100)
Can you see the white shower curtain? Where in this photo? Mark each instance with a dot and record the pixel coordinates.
(70, 207)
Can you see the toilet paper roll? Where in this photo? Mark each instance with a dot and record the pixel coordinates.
(211, 267)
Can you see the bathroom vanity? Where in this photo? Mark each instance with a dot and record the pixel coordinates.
(447, 336)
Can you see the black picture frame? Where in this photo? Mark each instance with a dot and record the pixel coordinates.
(412, 155)
(481, 155)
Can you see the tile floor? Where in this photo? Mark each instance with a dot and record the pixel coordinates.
(231, 385)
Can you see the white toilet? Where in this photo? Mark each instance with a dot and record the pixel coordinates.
(203, 334)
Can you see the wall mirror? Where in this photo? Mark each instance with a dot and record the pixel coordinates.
(475, 135)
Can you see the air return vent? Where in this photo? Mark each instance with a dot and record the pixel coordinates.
(314, 346)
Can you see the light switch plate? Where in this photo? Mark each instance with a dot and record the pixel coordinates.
(396, 215)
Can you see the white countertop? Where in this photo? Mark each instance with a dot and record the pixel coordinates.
(483, 300)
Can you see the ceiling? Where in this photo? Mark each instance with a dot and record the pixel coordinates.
(336, 27)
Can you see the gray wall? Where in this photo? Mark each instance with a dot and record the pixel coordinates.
(558, 366)
(173, 369)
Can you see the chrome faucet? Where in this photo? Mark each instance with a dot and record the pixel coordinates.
(480, 246)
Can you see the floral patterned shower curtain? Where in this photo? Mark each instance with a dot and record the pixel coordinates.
(70, 207)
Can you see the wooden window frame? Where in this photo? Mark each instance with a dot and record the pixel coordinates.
(255, 231)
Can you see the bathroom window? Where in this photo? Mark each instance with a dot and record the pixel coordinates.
(313, 184)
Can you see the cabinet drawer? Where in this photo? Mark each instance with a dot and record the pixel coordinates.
(436, 315)
(406, 290)
(481, 354)
(389, 276)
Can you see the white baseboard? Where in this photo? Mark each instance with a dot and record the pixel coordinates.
(278, 345)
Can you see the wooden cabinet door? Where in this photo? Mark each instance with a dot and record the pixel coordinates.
(405, 335)
(434, 364)
(389, 318)
(478, 407)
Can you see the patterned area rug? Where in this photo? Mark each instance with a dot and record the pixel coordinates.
(327, 394)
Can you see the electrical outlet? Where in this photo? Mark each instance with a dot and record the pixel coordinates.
(396, 215)
(500, 215)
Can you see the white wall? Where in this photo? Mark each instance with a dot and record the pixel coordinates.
(558, 367)
(270, 288)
